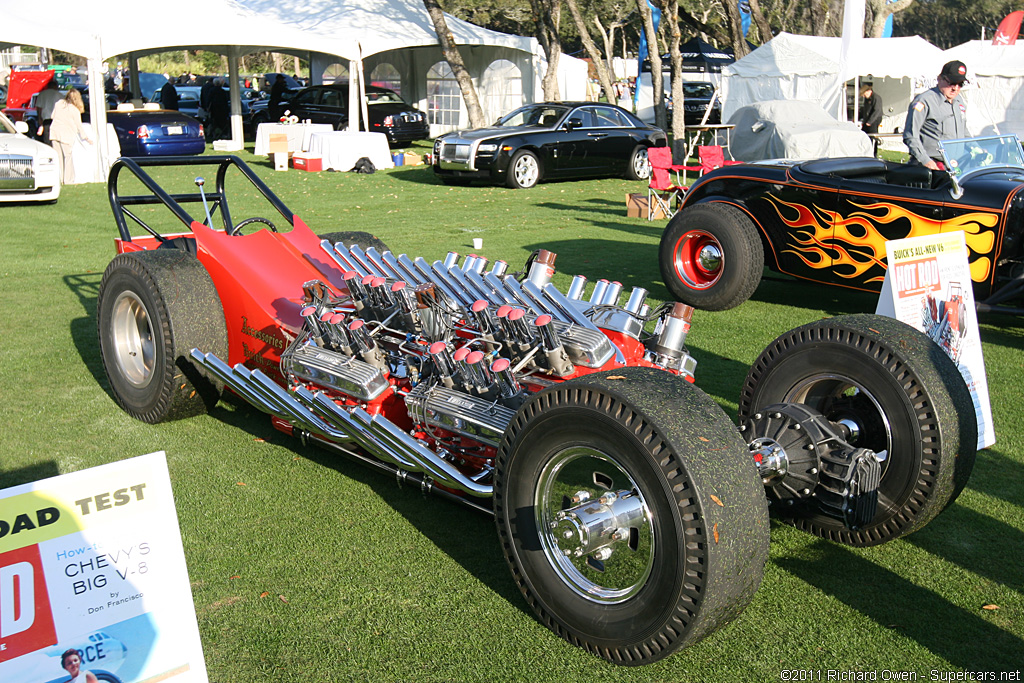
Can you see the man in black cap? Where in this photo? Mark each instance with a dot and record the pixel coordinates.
(936, 114)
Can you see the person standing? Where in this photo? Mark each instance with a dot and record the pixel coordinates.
(45, 101)
(936, 114)
(276, 95)
(871, 112)
(169, 96)
(65, 130)
(220, 111)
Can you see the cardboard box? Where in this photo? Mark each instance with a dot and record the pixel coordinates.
(413, 159)
(304, 162)
(636, 206)
(278, 143)
(280, 161)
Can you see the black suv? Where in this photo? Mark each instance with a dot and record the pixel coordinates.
(387, 112)
(697, 95)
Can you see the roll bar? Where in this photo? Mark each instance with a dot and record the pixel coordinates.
(119, 203)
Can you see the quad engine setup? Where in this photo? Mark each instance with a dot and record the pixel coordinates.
(462, 345)
(629, 507)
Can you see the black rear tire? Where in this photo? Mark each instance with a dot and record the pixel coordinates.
(153, 308)
(904, 394)
(687, 566)
(711, 256)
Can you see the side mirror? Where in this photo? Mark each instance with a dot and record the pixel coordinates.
(573, 124)
(21, 127)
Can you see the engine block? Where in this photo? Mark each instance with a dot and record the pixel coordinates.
(460, 346)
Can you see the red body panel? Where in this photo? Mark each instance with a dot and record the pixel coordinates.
(261, 305)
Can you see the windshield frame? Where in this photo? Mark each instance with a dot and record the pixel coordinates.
(964, 157)
(518, 115)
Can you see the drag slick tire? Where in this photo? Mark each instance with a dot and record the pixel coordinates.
(711, 256)
(363, 240)
(682, 542)
(901, 394)
(153, 308)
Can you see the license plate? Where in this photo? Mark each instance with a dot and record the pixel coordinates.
(174, 130)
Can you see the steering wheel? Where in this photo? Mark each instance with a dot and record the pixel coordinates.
(237, 230)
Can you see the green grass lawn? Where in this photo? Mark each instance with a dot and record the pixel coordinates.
(382, 584)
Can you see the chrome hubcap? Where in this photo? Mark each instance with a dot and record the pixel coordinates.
(526, 171)
(642, 165)
(595, 526)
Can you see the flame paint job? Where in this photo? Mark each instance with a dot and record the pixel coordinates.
(853, 245)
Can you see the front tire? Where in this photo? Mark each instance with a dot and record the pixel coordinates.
(153, 308)
(524, 170)
(899, 392)
(688, 536)
(711, 256)
(639, 164)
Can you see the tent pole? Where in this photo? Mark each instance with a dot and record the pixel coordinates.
(353, 95)
(237, 132)
(362, 94)
(98, 113)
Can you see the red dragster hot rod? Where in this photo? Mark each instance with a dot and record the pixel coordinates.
(631, 511)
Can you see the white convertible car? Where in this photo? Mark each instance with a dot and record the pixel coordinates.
(29, 170)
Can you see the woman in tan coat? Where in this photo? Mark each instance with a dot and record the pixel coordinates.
(65, 129)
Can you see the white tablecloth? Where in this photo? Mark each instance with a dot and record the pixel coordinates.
(298, 135)
(83, 155)
(341, 150)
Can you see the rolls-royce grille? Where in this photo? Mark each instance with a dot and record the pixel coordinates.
(455, 152)
(16, 172)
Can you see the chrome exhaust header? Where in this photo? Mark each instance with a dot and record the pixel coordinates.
(318, 414)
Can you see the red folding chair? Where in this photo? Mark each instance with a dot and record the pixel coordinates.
(712, 157)
(661, 191)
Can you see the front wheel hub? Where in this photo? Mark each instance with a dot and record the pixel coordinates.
(699, 259)
(596, 530)
(596, 526)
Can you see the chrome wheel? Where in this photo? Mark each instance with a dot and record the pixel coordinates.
(134, 346)
(595, 525)
(641, 165)
(525, 170)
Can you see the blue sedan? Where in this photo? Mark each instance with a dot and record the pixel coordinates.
(157, 132)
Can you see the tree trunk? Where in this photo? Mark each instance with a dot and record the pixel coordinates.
(599, 61)
(738, 41)
(880, 11)
(547, 16)
(763, 29)
(678, 98)
(454, 58)
(654, 57)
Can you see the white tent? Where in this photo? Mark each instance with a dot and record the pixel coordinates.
(995, 94)
(794, 67)
(396, 33)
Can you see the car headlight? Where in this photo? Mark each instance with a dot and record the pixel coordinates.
(488, 147)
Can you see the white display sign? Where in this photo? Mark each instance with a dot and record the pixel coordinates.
(928, 286)
(93, 579)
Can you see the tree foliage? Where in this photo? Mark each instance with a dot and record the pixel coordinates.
(946, 23)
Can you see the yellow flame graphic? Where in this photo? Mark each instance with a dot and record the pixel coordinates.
(853, 245)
